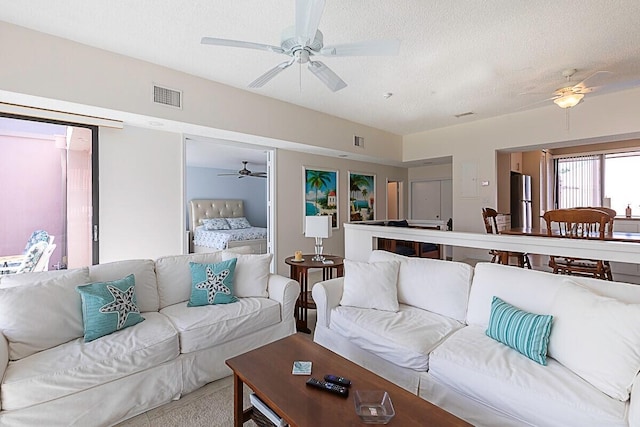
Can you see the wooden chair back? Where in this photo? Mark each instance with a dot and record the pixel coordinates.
(490, 223)
(577, 223)
(611, 212)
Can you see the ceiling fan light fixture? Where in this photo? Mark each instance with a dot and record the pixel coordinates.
(569, 100)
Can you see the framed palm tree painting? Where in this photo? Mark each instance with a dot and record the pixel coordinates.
(362, 195)
(321, 193)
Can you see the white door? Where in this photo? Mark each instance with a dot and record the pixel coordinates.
(425, 200)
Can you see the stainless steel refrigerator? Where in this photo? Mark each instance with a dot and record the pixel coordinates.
(520, 200)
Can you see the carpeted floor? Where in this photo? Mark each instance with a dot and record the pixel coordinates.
(210, 406)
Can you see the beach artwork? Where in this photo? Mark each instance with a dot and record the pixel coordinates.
(362, 194)
(321, 193)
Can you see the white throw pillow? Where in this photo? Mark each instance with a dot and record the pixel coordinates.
(371, 285)
(252, 274)
(43, 314)
(596, 337)
(431, 284)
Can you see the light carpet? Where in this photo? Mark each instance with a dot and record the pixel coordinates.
(210, 406)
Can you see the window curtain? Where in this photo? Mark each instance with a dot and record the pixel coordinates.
(578, 181)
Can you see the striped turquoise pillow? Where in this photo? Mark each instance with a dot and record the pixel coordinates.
(525, 332)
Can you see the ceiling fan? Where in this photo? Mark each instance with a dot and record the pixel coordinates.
(245, 172)
(304, 41)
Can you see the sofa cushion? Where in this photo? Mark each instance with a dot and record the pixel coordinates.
(524, 332)
(108, 307)
(597, 337)
(371, 285)
(211, 325)
(404, 338)
(432, 284)
(212, 283)
(486, 371)
(76, 366)
(529, 290)
(144, 271)
(174, 274)
(252, 273)
(42, 314)
(25, 279)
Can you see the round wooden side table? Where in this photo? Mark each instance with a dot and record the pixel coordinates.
(299, 270)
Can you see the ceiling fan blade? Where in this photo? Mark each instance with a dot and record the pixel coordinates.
(326, 76)
(238, 43)
(266, 77)
(614, 87)
(308, 14)
(227, 174)
(258, 174)
(366, 48)
(594, 81)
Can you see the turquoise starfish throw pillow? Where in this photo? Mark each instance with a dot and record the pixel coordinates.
(212, 283)
(108, 307)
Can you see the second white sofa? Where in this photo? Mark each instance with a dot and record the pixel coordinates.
(593, 353)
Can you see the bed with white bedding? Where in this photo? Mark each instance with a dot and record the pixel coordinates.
(204, 224)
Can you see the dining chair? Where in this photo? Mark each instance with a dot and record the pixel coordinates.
(489, 216)
(583, 223)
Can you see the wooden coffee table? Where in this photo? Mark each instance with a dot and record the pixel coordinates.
(267, 371)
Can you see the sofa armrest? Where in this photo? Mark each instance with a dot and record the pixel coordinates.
(327, 296)
(4, 358)
(285, 291)
(634, 406)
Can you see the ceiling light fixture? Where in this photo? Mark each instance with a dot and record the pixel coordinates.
(568, 100)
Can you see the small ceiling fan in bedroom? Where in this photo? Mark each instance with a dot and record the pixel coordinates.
(304, 41)
(245, 172)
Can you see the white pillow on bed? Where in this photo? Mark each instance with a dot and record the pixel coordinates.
(215, 224)
(251, 275)
(238, 223)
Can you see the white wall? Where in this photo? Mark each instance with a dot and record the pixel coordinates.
(59, 69)
(599, 118)
(141, 193)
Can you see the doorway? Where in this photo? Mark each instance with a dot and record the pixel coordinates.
(395, 201)
(49, 175)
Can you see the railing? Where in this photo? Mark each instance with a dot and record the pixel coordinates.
(360, 240)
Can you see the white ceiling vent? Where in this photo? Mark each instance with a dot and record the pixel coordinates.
(166, 96)
(358, 141)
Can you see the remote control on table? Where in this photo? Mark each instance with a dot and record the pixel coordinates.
(333, 388)
(338, 380)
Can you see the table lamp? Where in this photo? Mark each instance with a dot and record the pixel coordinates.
(318, 226)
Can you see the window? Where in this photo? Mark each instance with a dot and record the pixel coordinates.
(621, 173)
(598, 180)
(578, 181)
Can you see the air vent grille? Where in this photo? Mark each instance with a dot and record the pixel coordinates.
(166, 96)
(358, 141)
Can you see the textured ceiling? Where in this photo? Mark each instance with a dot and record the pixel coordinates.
(456, 56)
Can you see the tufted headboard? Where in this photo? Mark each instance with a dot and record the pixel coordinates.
(213, 208)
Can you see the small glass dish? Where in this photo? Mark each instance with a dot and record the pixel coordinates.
(373, 406)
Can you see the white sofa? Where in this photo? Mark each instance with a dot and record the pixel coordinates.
(50, 376)
(436, 346)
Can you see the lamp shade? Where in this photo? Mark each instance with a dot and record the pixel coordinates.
(317, 226)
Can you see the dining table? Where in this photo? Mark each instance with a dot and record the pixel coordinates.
(615, 236)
